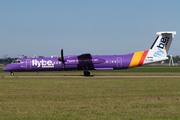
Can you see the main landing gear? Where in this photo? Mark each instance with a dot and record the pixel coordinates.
(86, 73)
(12, 74)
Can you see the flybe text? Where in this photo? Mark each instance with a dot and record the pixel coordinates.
(160, 47)
(162, 43)
(44, 63)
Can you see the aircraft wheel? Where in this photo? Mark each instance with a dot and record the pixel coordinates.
(86, 73)
(12, 74)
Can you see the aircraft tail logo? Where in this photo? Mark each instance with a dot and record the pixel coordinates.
(162, 44)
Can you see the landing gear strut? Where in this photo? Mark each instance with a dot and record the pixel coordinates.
(86, 73)
(12, 74)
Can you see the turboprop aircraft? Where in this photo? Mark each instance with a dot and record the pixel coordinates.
(86, 61)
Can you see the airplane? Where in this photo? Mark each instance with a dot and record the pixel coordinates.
(157, 52)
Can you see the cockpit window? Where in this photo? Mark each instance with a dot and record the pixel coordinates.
(17, 61)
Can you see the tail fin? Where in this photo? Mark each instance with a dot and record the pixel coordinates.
(161, 45)
(157, 52)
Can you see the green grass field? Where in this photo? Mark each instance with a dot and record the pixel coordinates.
(90, 97)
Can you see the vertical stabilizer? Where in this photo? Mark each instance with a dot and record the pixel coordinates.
(161, 45)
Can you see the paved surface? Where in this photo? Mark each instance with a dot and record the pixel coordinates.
(97, 76)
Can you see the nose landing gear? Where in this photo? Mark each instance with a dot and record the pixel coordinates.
(11, 73)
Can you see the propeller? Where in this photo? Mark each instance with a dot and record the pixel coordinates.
(62, 59)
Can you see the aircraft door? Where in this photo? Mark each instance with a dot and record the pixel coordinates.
(28, 64)
(119, 62)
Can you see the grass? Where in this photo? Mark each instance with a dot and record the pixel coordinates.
(89, 98)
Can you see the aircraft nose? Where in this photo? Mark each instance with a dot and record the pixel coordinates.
(7, 68)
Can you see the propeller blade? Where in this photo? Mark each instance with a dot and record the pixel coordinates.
(62, 59)
(62, 56)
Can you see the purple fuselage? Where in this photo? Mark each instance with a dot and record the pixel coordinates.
(81, 62)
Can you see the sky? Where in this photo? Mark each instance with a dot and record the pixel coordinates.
(99, 27)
